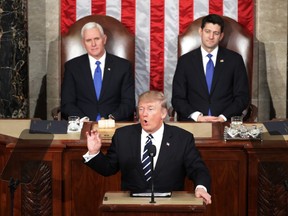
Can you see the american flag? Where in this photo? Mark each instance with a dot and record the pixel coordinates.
(156, 25)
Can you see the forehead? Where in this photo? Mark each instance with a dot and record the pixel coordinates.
(213, 27)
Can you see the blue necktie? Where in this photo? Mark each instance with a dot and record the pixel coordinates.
(146, 160)
(98, 83)
(209, 75)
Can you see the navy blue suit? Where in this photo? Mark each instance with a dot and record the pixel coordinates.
(117, 96)
(178, 158)
(229, 91)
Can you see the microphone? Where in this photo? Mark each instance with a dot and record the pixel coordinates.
(152, 153)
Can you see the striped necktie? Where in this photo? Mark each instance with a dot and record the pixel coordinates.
(146, 159)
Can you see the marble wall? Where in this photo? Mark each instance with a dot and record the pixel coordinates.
(270, 58)
(14, 96)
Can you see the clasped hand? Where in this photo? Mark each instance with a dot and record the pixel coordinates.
(210, 119)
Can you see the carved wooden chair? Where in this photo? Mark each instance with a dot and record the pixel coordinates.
(236, 38)
(120, 42)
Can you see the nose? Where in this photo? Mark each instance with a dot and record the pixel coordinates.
(211, 35)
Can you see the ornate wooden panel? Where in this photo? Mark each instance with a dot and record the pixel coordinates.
(272, 188)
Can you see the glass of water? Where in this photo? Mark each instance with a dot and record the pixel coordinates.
(73, 123)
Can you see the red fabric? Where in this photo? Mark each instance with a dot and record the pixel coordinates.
(128, 8)
(68, 14)
(216, 7)
(246, 14)
(157, 45)
(98, 7)
(185, 7)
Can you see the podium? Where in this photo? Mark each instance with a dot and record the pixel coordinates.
(180, 203)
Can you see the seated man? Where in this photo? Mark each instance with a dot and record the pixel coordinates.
(175, 157)
(210, 83)
(109, 95)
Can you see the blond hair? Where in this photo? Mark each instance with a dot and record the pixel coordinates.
(153, 96)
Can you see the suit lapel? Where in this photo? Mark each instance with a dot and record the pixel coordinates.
(218, 68)
(200, 71)
(136, 148)
(87, 75)
(108, 72)
(166, 150)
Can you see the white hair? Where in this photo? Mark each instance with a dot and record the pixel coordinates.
(91, 25)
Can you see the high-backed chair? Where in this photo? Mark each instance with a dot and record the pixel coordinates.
(236, 38)
(120, 42)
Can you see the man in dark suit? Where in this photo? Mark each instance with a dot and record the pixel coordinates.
(78, 93)
(176, 155)
(229, 92)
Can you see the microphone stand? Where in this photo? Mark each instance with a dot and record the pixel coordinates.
(152, 153)
(152, 180)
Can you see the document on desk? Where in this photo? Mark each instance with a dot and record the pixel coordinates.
(148, 194)
(277, 127)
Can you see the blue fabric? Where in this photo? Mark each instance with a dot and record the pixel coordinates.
(209, 74)
(98, 83)
(146, 159)
(98, 79)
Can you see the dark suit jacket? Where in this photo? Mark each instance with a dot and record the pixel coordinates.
(117, 96)
(229, 92)
(178, 158)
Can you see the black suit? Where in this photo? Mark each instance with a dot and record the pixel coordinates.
(177, 159)
(229, 91)
(117, 97)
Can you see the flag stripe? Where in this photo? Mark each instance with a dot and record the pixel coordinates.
(157, 45)
(170, 43)
(230, 9)
(156, 25)
(142, 52)
(128, 14)
(83, 9)
(216, 7)
(185, 7)
(112, 8)
(68, 14)
(98, 6)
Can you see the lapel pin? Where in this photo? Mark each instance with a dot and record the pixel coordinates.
(221, 60)
(109, 69)
(168, 144)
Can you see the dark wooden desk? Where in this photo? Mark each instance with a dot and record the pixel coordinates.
(248, 177)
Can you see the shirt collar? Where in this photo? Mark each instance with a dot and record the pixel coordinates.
(156, 135)
(214, 52)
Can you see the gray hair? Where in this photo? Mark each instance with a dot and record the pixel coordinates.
(91, 25)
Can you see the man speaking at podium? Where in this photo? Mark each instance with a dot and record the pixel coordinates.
(176, 155)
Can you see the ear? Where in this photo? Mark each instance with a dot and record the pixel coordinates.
(105, 38)
(200, 30)
(164, 113)
(221, 36)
